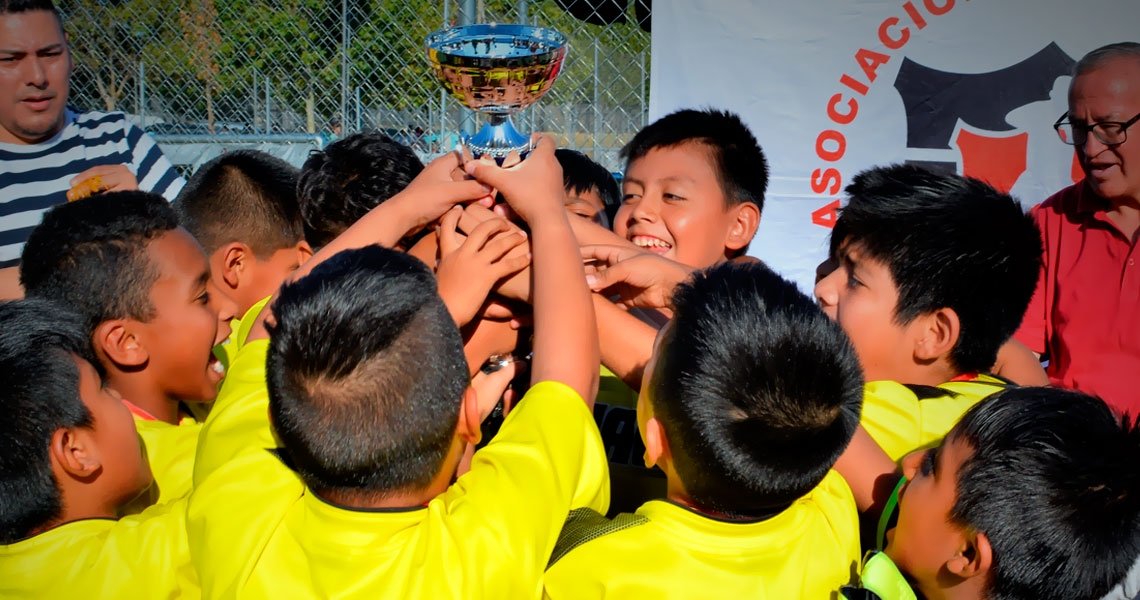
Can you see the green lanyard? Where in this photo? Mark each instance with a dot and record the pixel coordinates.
(888, 514)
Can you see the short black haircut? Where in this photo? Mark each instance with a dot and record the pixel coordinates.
(350, 177)
(580, 174)
(243, 196)
(91, 255)
(11, 7)
(39, 344)
(365, 374)
(735, 153)
(1052, 482)
(758, 391)
(949, 242)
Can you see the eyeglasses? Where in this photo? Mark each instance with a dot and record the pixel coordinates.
(1110, 133)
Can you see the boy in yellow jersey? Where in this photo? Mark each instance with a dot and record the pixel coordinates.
(70, 460)
(750, 397)
(142, 286)
(242, 207)
(1033, 494)
(365, 383)
(934, 274)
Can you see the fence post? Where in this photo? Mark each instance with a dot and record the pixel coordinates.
(597, 102)
(344, 65)
(467, 17)
(142, 94)
(641, 94)
(268, 105)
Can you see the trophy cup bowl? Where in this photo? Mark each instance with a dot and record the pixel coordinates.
(497, 70)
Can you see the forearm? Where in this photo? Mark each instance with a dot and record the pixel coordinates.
(1019, 364)
(383, 225)
(626, 342)
(589, 233)
(565, 330)
(869, 472)
(10, 288)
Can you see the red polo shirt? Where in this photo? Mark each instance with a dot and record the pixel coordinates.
(1085, 313)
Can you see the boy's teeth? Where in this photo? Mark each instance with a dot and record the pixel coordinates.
(218, 367)
(647, 242)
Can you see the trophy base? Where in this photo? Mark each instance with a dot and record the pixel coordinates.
(497, 139)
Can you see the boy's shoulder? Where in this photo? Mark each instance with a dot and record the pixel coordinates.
(903, 418)
(104, 558)
(687, 550)
(170, 451)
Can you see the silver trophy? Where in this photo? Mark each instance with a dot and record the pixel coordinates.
(497, 70)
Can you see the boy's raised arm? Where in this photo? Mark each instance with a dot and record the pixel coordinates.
(565, 333)
(425, 199)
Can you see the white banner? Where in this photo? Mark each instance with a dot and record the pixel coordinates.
(831, 87)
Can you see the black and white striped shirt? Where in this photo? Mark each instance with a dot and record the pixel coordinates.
(34, 178)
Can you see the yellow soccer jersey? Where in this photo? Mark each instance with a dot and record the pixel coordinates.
(667, 551)
(140, 556)
(256, 532)
(170, 451)
(903, 419)
(615, 411)
(239, 331)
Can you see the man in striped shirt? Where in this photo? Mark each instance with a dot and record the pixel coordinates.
(46, 149)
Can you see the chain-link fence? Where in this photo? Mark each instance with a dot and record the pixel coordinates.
(261, 69)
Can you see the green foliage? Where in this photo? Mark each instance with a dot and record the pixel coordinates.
(198, 51)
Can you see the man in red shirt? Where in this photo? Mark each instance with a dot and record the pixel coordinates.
(1085, 314)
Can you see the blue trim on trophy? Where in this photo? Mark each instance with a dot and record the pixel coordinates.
(497, 140)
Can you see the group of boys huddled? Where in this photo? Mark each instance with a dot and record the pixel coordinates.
(372, 377)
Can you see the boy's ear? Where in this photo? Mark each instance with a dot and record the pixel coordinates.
(72, 449)
(304, 252)
(937, 334)
(974, 558)
(234, 260)
(656, 444)
(746, 220)
(470, 428)
(119, 341)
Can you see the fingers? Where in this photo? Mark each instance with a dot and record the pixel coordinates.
(502, 242)
(444, 164)
(449, 239)
(489, 387)
(612, 276)
(609, 255)
(99, 171)
(510, 265)
(85, 188)
(485, 231)
(464, 191)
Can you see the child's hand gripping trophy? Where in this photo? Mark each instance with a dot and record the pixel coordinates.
(470, 266)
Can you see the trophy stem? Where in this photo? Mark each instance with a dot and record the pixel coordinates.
(498, 138)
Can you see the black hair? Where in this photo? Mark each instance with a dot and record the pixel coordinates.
(580, 174)
(11, 7)
(243, 196)
(758, 391)
(949, 242)
(350, 177)
(365, 374)
(1052, 482)
(39, 394)
(91, 255)
(736, 155)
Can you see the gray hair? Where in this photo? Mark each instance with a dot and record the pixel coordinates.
(1101, 55)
